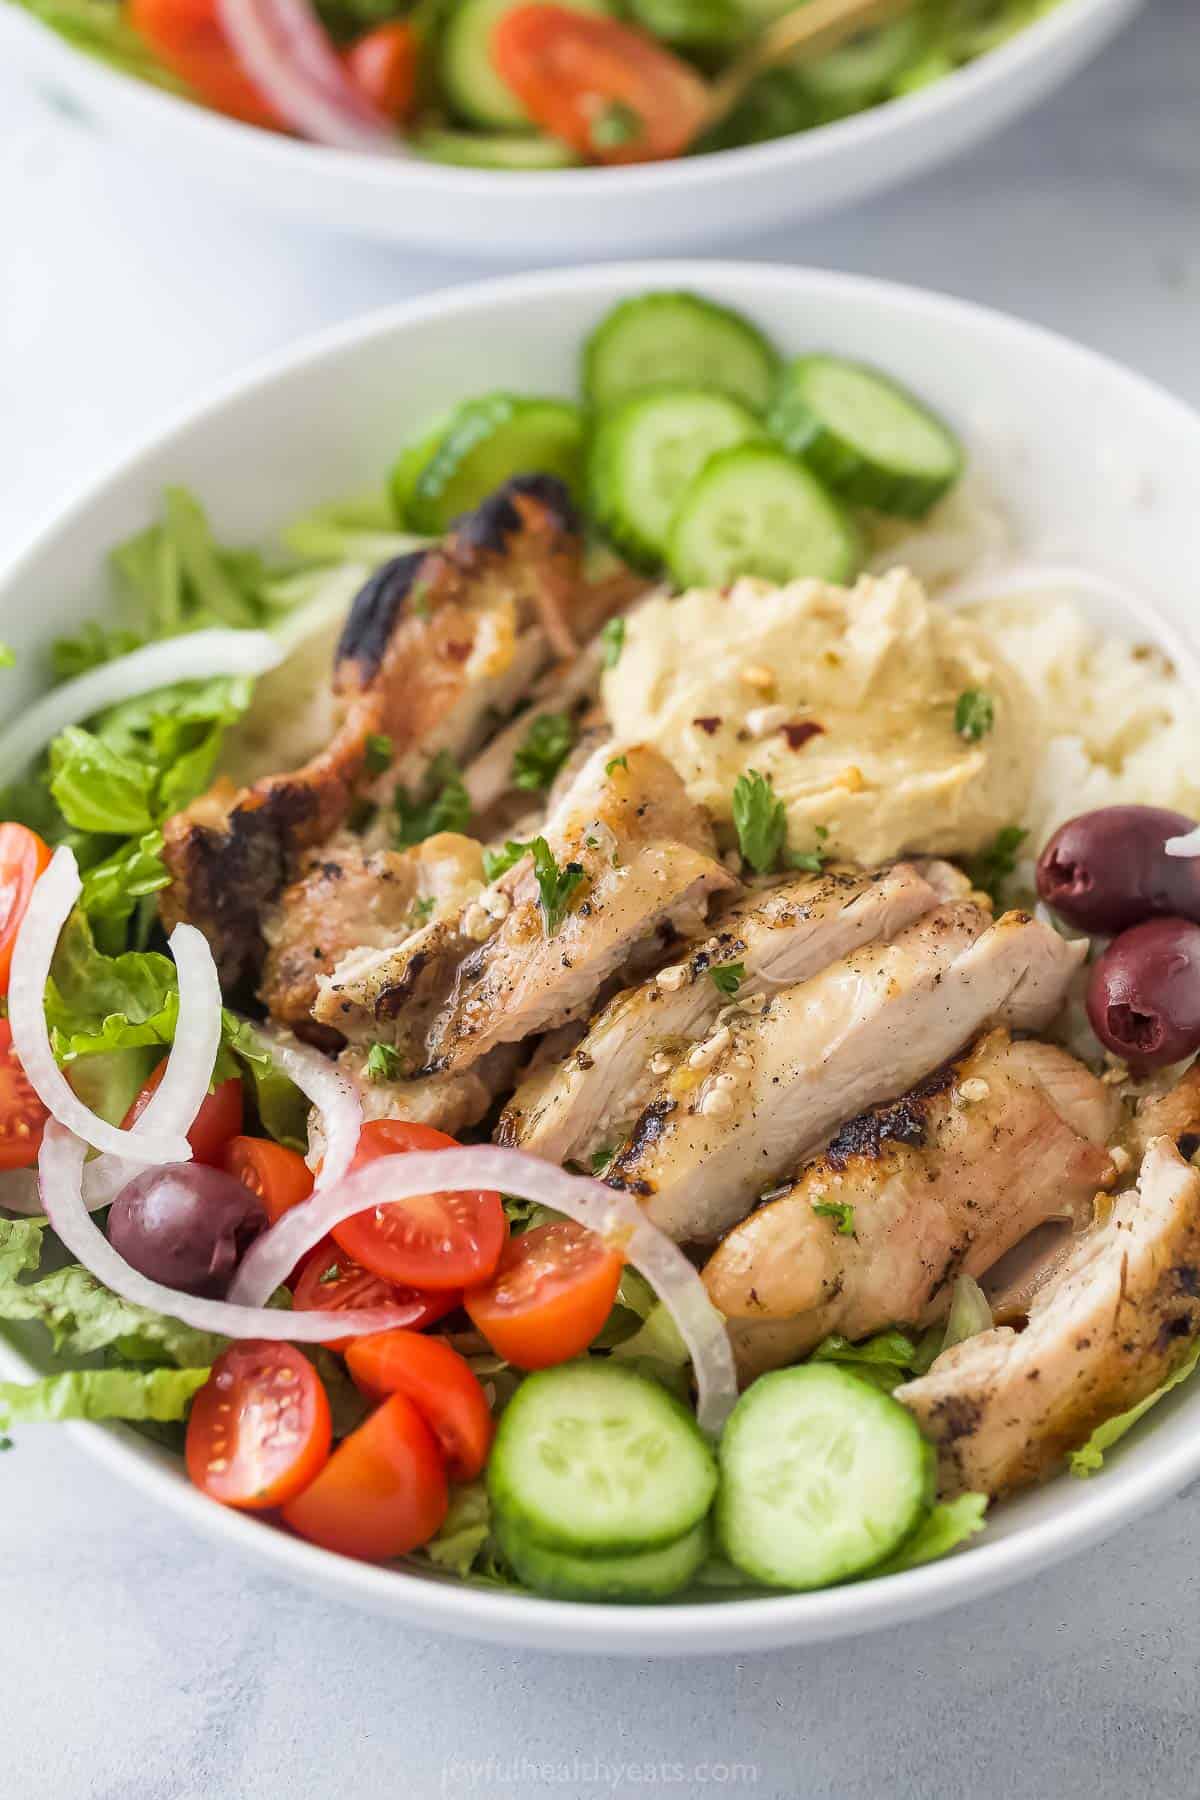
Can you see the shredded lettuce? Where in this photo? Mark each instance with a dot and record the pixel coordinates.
(887, 1359)
(1090, 1456)
(950, 1523)
(464, 1544)
(133, 1394)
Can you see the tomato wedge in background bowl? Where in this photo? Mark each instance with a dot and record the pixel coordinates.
(434, 1242)
(552, 1292)
(191, 41)
(613, 93)
(260, 1427)
(331, 1281)
(383, 65)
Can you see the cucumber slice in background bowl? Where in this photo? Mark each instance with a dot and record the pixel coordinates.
(754, 510)
(875, 443)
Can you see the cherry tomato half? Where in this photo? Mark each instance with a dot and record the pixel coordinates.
(331, 1281)
(22, 1115)
(219, 1118)
(610, 91)
(259, 1428)
(433, 1242)
(23, 856)
(554, 1289)
(190, 39)
(383, 1491)
(383, 65)
(441, 1386)
(277, 1176)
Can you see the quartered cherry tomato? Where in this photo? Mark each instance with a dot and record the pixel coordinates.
(383, 1491)
(22, 1115)
(434, 1242)
(555, 1287)
(383, 66)
(219, 1118)
(190, 39)
(277, 1176)
(441, 1386)
(331, 1281)
(610, 91)
(23, 857)
(259, 1429)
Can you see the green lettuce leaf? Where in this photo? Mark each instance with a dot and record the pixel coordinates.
(1090, 1456)
(159, 1394)
(950, 1523)
(96, 1002)
(887, 1359)
(97, 788)
(464, 1542)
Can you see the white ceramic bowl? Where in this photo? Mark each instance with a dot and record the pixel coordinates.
(1086, 457)
(583, 212)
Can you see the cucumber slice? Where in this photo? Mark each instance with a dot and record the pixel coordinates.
(486, 442)
(822, 1477)
(638, 1575)
(493, 150)
(407, 468)
(862, 70)
(869, 438)
(682, 339)
(470, 80)
(646, 453)
(754, 511)
(595, 1459)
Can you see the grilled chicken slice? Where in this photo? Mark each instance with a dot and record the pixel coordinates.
(778, 936)
(1174, 1114)
(435, 644)
(449, 1102)
(492, 974)
(941, 1182)
(1004, 1407)
(762, 1092)
(345, 898)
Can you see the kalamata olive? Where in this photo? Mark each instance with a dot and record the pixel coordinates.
(1106, 870)
(185, 1225)
(1143, 994)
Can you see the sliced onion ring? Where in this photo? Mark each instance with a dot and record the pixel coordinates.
(616, 1217)
(284, 49)
(60, 1171)
(49, 907)
(332, 1093)
(196, 656)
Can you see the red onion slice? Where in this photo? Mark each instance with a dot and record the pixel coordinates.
(283, 48)
(196, 656)
(60, 1171)
(49, 908)
(615, 1216)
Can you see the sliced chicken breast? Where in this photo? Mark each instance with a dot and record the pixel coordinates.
(941, 1182)
(1005, 1407)
(436, 643)
(768, 1088)
(344, 898)
(645, 860)
(450, 1103)
(777, 936)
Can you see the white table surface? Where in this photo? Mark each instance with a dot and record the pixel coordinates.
(136, 1663)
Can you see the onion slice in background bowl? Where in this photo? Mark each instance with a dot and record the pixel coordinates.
(614, 1216)
(49, 908)
(284, 49)
(196, 656)
(60, 1173)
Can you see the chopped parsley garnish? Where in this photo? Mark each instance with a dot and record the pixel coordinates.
(760, 819)
(555, 885)
(993, 866)
(727, 978)
(838, 1210)
(974, 715)
(382, 1064)
(379, 752)
(616, 126)
(443, 804)
(545, 749)
(613, 640)
(329, 1274)
(8, 655)
(600, 1159)
(618, 762)
(420, 910)
(498, 862)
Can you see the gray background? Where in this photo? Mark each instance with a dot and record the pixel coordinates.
(138, 1663)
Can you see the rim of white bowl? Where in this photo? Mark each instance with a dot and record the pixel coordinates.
(691, 1627)
(794, 151)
